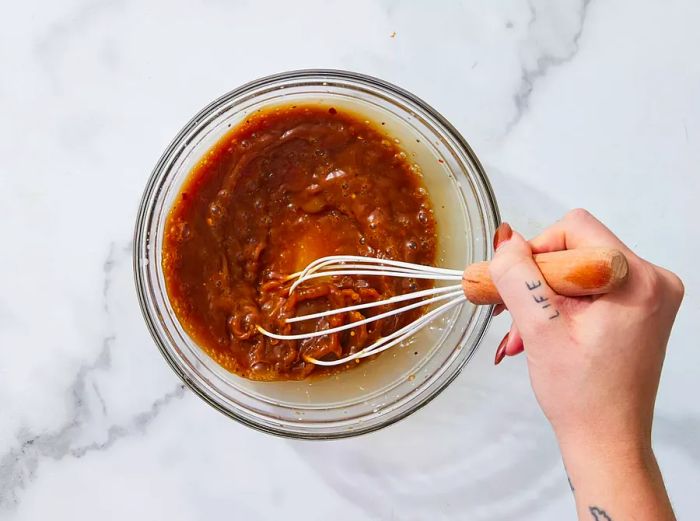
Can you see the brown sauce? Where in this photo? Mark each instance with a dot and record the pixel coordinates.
(287, 186)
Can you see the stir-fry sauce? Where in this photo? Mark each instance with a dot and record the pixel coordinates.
(287, 186)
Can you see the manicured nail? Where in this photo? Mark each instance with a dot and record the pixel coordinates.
(503, 233)
(498, 309)
(501, 349)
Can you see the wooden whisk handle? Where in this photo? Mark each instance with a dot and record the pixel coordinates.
(573, 273)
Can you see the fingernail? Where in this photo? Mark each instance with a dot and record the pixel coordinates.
(501, 350)
(503, 233)
(498, 309)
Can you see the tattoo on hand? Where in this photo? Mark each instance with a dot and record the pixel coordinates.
(541, 299)
(599, 514)
(533, 285)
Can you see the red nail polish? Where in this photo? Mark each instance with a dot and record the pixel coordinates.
(498, 309)
(503, 233)
(501, 350)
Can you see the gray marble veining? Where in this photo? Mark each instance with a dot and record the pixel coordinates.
(547, 59)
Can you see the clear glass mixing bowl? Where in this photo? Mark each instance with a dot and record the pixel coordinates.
(399, 381)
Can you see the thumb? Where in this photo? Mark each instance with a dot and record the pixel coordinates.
(534, 306)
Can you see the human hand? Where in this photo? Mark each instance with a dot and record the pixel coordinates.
(594, 362)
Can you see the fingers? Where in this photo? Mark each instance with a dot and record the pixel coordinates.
(511, 345)
(531, 302)
(515, 344)
(503, 233)
(577, 229)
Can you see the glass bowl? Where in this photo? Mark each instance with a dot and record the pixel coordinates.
(377, 392)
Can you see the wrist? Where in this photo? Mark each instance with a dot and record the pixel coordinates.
(623, 439)
(590, 459)
(582, 448)
(606, 456)
(621, 479)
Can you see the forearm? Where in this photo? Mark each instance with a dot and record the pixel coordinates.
(616, 482)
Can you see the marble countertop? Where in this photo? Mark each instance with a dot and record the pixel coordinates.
(567, 103)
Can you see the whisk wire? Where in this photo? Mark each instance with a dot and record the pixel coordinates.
(367, 320)
(402, 274)
(398, 298)
(319, 263)
(329, 266)
(396, 337)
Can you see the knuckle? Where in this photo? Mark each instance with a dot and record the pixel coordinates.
(511, 254)
(678, 286)
(659, 287)
(674, 284)
(578, 215)
(498, 265)
(501, 267)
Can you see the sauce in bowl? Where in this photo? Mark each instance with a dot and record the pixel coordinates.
(289, 185)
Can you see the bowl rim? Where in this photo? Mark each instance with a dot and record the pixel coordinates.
(173, 150)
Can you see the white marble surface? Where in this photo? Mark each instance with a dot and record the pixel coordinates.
(567, 103)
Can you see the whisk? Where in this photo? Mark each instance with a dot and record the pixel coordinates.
(572, 273)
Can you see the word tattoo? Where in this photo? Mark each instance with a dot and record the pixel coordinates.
(599, 514)
(541, 299)
(533, 285)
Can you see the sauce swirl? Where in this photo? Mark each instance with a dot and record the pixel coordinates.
(287, 186)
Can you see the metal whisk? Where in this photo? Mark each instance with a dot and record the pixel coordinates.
(579, 272)
(340, 265)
